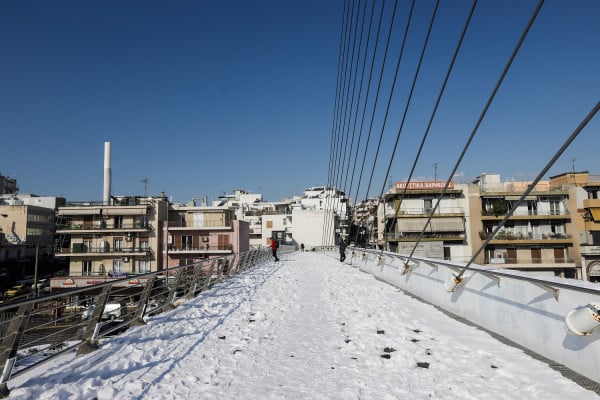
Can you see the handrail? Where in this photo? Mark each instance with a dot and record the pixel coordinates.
(478, 268)
(33, 331)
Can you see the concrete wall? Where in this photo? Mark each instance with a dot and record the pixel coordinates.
(308, 227)
(527, 313)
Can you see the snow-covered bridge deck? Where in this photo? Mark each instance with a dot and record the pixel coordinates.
(307, 327)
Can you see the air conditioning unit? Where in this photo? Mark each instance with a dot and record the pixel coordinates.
(128, 238)
(125, 259)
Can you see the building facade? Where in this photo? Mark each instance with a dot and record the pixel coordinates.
(197, 233)
(410, 215)
(539, 234)
(110, 240)
(584, 203)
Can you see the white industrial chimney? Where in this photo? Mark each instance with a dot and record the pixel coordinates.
(107, 173)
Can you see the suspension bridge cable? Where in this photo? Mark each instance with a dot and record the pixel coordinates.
(550, 163)
(368, 86)
(349, 99)
(391, 93)
(376, 100)
(409, 99)
(364, 14)
(341, 104)
(435, 107)
(410, 94)
(480, 119)
(330, 201)
(337, 95)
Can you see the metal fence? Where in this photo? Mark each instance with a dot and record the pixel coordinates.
(34, 331)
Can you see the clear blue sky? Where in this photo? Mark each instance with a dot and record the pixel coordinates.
(204, 97)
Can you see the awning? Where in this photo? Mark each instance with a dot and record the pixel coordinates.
(436, 225)
(125, 211)
(79, 211)
(411, 224)
(518, 197)
(595, 214)
(447, 224)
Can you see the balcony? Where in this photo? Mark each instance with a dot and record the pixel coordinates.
(413, 236)
(103, 227)
(591, 203)
(203, 249)
(390, 212)
(526, 214)
(79, 250)
(206, 226)
(590, 250)
(529, 262)
(519, 238)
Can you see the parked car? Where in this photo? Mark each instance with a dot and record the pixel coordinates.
(43, 286)
(111, 311)
(16, 291)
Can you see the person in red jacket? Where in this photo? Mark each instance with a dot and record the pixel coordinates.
(274, 246)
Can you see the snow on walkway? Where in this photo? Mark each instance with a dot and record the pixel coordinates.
(307, 327)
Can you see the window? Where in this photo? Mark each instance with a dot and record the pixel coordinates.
(87, 246)
(186, 242)
(86, 269)
(144, 266)
(144, 246)
(554, 207)
(223, 241)
(428, 205)
(558, 229)
(269, 224)
(118, 245)
(118, 221)
(117, 266)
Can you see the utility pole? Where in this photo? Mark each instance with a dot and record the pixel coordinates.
(145, 180)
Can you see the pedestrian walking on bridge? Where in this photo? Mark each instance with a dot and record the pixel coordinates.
(274, 247)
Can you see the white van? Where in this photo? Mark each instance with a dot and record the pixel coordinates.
(111, 311)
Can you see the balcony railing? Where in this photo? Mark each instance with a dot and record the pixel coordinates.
(530, 236)
(526, 213)
(424, 211)
(204, 225)
(411, 236)
(82, 250)
(200, 249)
(513, 262)
(102, 226)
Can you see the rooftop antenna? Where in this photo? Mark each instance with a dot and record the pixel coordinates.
(145, 180)
(435, 165)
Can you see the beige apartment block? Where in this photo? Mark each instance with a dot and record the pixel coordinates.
(197, 233)
(412, 217)
(538, 237)
(110, 241)
(25, 230)
(584, 203)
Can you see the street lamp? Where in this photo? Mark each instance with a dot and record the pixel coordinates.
(5, 216)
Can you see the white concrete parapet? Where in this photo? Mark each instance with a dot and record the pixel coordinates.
(554, 317)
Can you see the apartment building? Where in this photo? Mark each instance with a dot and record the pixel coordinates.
(584, 204)
(537, 237)
(25, 230)
(407, 215)
(365, 233)
(110, 240)
(196, 233)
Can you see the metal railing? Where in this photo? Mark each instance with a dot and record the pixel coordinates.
(34, 331)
